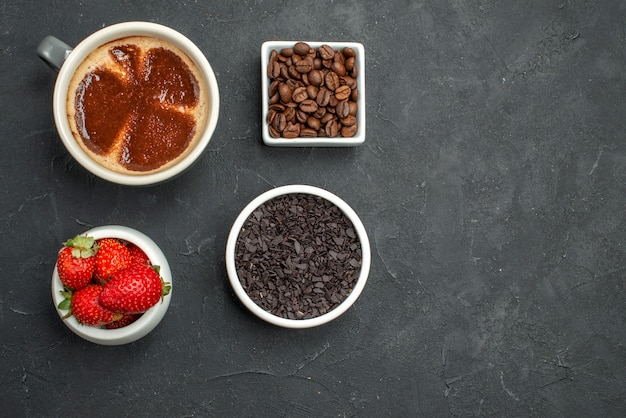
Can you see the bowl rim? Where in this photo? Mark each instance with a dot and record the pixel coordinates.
(148, 320)
(110, 33)
(356, 140)
(298, 323)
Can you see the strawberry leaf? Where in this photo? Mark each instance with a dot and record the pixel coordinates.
(82, 246)
(166, 289)
(65, 305)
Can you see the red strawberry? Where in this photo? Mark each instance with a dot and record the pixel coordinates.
(76, 262)
(137, 255)
(112, 256)
(134, 289)
(86, 308)
(125, 320)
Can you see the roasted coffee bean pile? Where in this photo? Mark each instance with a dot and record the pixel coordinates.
(313, 93)
(297, 256)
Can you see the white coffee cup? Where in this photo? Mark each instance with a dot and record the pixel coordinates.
(67, 59)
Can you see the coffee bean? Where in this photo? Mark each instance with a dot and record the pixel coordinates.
(273, 70)
(349, 120)
(308, 133)
(301, 48)
(286, 52)
(314, 122)
(305, 65)
(331, 80)
(299, 95)
(308, 106)
(277, 107)
(349, 131)
(320, 112)
(301, 116)
(339, 57)
(273, 132)
(355, 71)
(292, 130)
(342, 109)
(347, 81)
(290, 113)
(326, 118)
(353, 107)
(326, 52)
(332, 103)
(349, 64)
(323, 97)
(280, 122)
(271, 115)
(312, 91)
(338, 68)
(285, 92)
(354, 95)
(315, 77)
(274, 87)
(343, 92)
(332, 128)
(293, 72)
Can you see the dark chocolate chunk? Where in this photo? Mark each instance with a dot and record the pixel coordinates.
(298, 256)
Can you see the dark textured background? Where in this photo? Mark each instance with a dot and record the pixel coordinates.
(492, 184)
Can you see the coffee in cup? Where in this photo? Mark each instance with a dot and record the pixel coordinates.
(135, 103)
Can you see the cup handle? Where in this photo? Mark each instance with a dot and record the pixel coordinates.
(53, 51)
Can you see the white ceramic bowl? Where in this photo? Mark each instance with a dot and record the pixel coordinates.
(75, 56)
(297, 323)
(357, 139)
(148, 320)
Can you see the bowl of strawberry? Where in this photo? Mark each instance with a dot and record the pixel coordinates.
(111, 285)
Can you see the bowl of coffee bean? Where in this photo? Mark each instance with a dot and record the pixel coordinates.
(298, 256)
(313, 94)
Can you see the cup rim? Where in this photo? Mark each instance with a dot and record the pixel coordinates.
(110, 33)
(298, 323)
(148, 320)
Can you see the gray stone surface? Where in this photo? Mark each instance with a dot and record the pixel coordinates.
(491, 183)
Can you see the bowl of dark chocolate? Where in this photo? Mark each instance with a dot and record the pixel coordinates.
(298, 256)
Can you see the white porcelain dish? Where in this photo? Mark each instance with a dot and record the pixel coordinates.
(357, 139)
(148, 320)
(298, 323)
